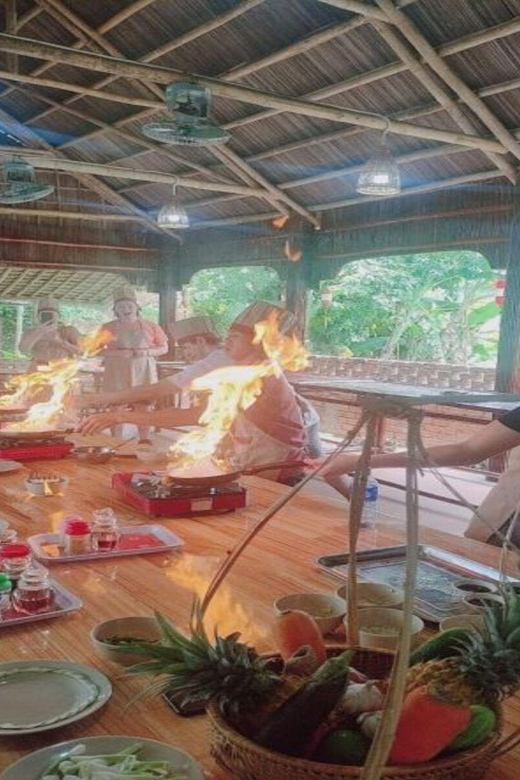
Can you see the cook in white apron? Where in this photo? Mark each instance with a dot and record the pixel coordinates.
(129, 358)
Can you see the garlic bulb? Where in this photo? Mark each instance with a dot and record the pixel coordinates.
(368, 723)
(362, 697)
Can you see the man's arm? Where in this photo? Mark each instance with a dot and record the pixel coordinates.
(163, 418)
(142, 393)
(491, 440)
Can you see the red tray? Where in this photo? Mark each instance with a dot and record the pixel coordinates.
(42, 452)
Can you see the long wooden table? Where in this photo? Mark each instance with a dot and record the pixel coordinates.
(279, 561)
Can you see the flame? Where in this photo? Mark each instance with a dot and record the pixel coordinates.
(234, 388)
(226, 612)
(58, 376)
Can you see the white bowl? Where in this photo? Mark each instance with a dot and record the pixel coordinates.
(46, 488)
(381, 627)
(135, 627)
(481, 602)
(375, 594)
(472, 586)
(462, 621)
(327, 609)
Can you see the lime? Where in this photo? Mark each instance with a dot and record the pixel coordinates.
(344, 746)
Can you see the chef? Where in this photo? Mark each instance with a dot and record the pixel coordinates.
(494, 517)
(49, 340)
(130, 356)
(270, 430)
(195, 336)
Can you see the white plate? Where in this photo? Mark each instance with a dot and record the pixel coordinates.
(9, 465)
(41, 695)
(32, 766)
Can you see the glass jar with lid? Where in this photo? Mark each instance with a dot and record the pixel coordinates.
(7, 535)
(104, 530)
(14, 559)
(5, 594)
(76, 536)
(33, 593)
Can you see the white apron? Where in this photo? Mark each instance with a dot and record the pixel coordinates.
(500, 504)
(122, 372)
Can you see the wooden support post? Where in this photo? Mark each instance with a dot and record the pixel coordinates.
(298, 278)
(508, 359)
(168, 288)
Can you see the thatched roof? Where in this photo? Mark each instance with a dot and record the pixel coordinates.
(439, 65)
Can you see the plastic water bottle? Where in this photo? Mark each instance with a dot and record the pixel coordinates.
(368, 516)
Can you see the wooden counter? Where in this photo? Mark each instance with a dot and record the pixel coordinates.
(279, 561)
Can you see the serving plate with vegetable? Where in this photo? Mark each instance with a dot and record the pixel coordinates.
(97, 758)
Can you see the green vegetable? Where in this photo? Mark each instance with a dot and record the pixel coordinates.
(125, 640)
(289, 729)
(444, 645)
(124, 764)
(344, 746)
(482, 723)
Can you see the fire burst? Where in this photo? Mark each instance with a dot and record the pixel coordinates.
(233, 389)
(58, 377)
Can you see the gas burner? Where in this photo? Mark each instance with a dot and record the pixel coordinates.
(158, 496)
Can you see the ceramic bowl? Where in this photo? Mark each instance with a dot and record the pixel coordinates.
(135, 627)
(381, 627)
(375, 594)
(481, 602)
(46, 488)
(471, 586)
(327, 609)
(473, 620)
(95, 454)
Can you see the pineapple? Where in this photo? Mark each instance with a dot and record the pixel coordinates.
(226, 670)
(488, 668)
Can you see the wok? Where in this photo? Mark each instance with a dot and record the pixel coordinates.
(231, 476)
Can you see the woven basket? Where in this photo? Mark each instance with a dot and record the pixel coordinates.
(245, 760)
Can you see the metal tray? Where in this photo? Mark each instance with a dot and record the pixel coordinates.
(64, 602)
(438, 570)
(136, 540)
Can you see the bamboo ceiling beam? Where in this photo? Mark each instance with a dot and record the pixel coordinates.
(11, 26)
(57, 163)
(28, 16)
(357, 7)
(76, 245)
(129, 69)
(272, 194)
(82, 216)
(412, 33)
(437, 89)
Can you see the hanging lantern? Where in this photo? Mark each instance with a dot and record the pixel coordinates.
(380, 176)
(173, 215)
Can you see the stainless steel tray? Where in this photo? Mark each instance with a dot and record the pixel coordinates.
(438, 570)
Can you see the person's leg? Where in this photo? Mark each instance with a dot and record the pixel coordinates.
(500, 504)
(341, 483)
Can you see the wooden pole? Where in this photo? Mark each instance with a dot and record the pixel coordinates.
(508, 357)
(161, 75)
(357, 7)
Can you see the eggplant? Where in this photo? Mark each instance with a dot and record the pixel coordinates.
(290, 727)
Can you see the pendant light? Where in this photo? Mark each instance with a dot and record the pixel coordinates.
(173, 215)
(380, 175)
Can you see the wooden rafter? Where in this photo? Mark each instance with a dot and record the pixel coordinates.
(11, 26)
(412, 33)
(271, 193)
(127, 68)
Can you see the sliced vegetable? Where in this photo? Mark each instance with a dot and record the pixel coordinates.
(113, 766)
(293, 629)
(426, 726)
(481, 726)
(291, 726)
(444, 645)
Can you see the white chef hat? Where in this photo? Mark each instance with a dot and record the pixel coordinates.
(191, 327)
(125, 293)
(259, 311)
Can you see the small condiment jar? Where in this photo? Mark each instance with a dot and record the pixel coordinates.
(33, 592)
(7, 536)
(76, 536)
(14, 559)
(5, 594)
(104, 531)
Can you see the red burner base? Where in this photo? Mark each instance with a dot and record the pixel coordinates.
(188, 502)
